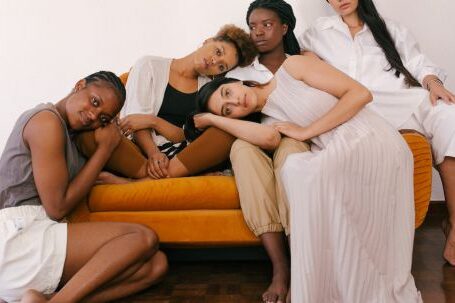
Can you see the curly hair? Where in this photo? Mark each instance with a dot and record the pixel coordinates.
(246, 50)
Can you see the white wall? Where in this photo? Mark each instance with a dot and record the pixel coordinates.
(47, 45)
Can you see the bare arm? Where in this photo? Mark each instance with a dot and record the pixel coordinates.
(352, 95)
(264, 136)
(136, 122)
(45, 138)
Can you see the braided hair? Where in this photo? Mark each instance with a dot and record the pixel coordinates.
(286, 15)
(110, 78)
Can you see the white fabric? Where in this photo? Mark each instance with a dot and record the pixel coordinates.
(351, 204)
(437, 124)
(145, 88)
(363, 59)
(255, 72)
(32, 251)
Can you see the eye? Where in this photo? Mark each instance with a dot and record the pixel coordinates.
(227, 92)
(104, 120)
(95, 102)
(268, 25)
(221, 68)
(218, 52)
(227, 111)
(252, 28)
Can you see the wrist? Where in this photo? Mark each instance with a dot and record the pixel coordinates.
(433, 82)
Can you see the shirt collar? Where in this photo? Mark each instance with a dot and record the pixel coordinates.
(336, 22)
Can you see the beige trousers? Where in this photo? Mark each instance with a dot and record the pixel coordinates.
(262, 197)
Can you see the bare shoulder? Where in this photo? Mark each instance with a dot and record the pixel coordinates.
(44, 128)
(297, 65)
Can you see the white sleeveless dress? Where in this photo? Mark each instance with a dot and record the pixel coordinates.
(351, 204)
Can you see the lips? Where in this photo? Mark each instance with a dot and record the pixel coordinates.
(345, 6)
(84, 119)
(260, 42)
(206, 64)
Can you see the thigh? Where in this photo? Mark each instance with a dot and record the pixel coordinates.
(126, 159)
(208, 150)
(288, 146)
(85, 239)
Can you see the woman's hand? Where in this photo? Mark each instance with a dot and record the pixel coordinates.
(291, 130)
(203, 120)
(135, 122)
(438, 91)
(157, 165)
(108, 136)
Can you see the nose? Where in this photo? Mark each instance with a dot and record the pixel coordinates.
(259, 31)
(93, 115)
(214, 60)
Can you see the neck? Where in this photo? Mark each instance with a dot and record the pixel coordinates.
(263, 92)
(273, 59)
(185, 67)
(61, 108)
(352, 20)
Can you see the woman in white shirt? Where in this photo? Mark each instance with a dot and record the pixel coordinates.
(408, 88)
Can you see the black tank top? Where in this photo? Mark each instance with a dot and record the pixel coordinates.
(177, 106)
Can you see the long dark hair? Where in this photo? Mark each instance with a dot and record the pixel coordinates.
(202, 99)
(286, 15)
(369, 14)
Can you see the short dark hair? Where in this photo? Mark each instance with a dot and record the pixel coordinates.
(110, 78)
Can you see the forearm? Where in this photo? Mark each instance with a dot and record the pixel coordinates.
(144, 140)
(264, 136)
(346, 108)
(80, 186)
(168, 130)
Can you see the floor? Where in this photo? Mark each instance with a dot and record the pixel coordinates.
(216, 281)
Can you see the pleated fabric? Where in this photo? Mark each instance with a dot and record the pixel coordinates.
(351, 204)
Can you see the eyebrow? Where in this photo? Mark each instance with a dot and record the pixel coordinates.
(101, 103)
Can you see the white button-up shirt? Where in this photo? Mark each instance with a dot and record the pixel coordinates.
(254, 72)
(364, 60)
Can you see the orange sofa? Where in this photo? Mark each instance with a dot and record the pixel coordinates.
(204, 210)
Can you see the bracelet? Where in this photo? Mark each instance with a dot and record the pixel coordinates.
(437, 80)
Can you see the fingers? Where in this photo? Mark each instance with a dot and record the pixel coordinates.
(433, 99)
(151, 170)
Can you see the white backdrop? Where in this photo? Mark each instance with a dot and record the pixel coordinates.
(47, 45)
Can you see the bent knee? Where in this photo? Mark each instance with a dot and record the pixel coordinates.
(147, 236)
(241, 149)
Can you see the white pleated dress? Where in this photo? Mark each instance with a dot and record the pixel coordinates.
(351, 204)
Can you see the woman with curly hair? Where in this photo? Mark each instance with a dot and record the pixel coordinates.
(160, 95)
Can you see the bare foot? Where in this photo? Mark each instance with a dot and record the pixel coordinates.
(33, 296)
(107, 178)
(449, 249)
(278, 289)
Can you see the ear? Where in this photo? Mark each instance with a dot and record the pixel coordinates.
(285, 29)
(79, 85)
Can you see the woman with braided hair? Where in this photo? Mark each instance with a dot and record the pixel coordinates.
(43, 177)
(264, 204)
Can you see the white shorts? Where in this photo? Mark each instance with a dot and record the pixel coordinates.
(437, 124)
(32, 251)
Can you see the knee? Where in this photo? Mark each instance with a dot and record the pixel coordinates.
(148, 238)
(241, 149)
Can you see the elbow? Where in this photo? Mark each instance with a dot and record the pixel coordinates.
(367, 96)
(271, 141)
(55, 213)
